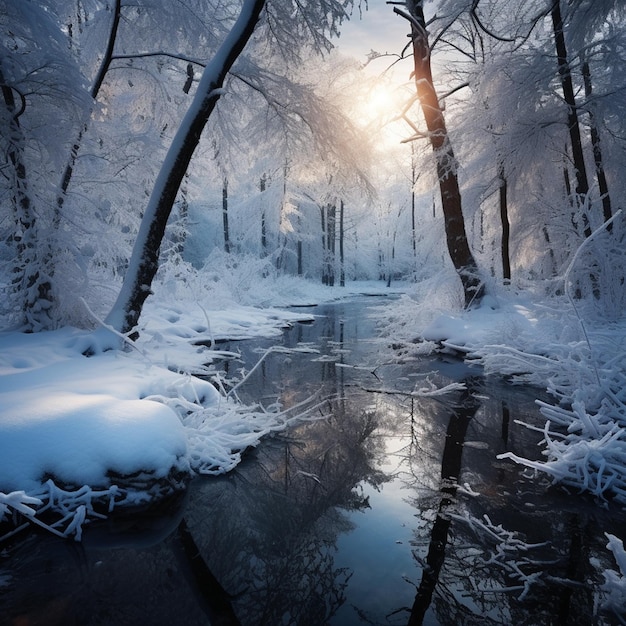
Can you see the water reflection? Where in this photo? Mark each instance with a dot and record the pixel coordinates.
(451, 464)
(389, 509)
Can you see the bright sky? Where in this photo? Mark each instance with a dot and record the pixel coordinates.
(378, 29)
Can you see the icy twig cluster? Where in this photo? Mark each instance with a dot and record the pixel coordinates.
(506, 552)
(585, 435)
(65, 511)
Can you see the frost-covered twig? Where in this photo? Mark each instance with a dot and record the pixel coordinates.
(615, 581)
(506, 551)
(271, 350)
(74, 508)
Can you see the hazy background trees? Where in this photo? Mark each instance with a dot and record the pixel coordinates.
(317, 132)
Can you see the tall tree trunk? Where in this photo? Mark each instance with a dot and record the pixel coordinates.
(456, 236)
(225, 216)
(93, 92)
(331, 227)
(414, 177)
(506, 230)
(324, 249)
(299, 247)
(582, 182)
(262, 184)
(144, 260)
(607, 211)
(342, 274)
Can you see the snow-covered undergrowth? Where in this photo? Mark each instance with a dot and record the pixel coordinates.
(546, 343)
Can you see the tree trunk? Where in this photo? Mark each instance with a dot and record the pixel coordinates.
(342, 275)
(225, 216)
(324, 250)
(30, 277)
(456, 237)
(506, 230)
(93, 92)
(262, 183)
(331, 226)
(607, 211)
(145, 257)
(299, 247)
(582, 182)
(414, 176)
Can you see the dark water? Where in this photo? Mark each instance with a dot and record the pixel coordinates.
(388, 509)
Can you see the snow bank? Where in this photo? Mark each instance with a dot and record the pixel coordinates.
(79, 419)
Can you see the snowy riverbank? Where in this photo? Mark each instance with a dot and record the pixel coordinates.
(85, 428)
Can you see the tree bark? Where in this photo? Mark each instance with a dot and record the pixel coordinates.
(225, 216)
(582, 182)
(456, 236)
(30, 278)
(506, 230)
(144, 260)
(607, 211)
(342, 270)
(262, 183)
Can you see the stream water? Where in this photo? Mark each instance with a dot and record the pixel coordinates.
(387, 508)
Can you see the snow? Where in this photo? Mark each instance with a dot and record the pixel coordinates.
(83, 420)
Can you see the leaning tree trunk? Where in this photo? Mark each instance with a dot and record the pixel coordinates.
(144, 260)
(456, 236)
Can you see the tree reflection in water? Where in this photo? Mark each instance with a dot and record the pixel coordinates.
(511, 552)
(451, 462)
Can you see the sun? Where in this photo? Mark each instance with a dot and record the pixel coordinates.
(378, 104)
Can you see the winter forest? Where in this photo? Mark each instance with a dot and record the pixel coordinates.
(178, 173)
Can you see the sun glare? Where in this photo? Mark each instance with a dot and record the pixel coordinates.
(378, 104)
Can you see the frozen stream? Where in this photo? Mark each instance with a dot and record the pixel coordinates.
(389, 509)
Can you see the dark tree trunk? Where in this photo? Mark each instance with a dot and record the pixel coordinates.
(607, 211)
(506, 230)
(31, 281)
(225, 216)
(456, 236)
(68, 172)
(324, 251)
(299, 247)
(262, 184)
(144, 261)
(582, 182)
(342, 274)
(331, 227)
(414, 177)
